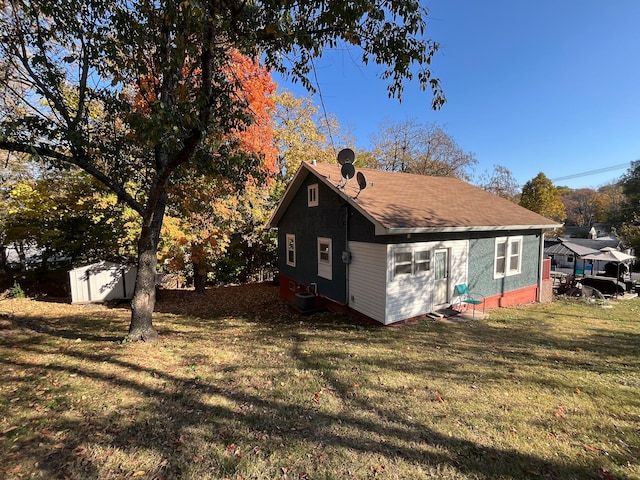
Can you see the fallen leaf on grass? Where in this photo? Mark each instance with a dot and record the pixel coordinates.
(79, 451)
(59, 446)
(16, 469)
(139, 473)
(233, 450)
(591, 449)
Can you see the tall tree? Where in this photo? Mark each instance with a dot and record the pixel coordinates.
(66, 216)
(13, 169)
(209, 216)
(501, 183)
(541, 196)
(581, 206)
(629, 230)
(303, 134)
(71, 68)
(610, 204)
(424, 149)
(630, 183)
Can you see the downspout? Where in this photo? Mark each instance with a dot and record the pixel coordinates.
(346, 247)
(541, 266)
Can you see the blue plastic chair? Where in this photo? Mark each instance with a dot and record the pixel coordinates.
(465, 298)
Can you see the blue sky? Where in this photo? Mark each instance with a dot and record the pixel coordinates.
(546, 86)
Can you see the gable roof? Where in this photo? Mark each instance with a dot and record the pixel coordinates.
(398, 203)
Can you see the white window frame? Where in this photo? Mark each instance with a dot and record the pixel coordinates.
(325, 256)
(509, 256)
(290, 246)
(413, 262)
(417, 262)
(312, 195)
(404, 263)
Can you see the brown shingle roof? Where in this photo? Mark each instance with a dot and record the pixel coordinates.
(402, 202)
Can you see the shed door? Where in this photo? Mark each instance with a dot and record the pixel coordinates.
(441, 274)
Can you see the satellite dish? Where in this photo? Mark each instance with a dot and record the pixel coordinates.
(348, 171)
(362, 181)
(346, 155)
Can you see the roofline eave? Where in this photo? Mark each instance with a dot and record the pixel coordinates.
(382, 230)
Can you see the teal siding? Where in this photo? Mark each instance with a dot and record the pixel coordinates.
(481, 264)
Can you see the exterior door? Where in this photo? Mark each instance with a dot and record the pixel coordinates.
(441, 276)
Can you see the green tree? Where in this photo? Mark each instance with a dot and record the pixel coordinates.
(134, 92)
(629, 229)
(423, 149)
(541, 196)
(610, 204)
(65, 215)
(630, 183)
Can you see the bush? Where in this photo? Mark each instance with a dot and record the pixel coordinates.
(16, 291)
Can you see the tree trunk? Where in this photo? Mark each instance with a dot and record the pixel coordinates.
(199, 278)
(144, 297)
(3, 258)
(22, 256)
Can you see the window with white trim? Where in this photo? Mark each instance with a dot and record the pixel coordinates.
(402, 263)
(508, 256)
(291, 249)
(411, 262)
(312, 195)
(421, 261)
(324, 258)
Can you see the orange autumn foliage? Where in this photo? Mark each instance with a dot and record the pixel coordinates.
(256, 89)
(258, 86)
(209, 213)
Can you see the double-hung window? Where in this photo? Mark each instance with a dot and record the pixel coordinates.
(312, 195)
(291, 249)
(508, 256)
(324, 258)
(421, 261)
(402, 264)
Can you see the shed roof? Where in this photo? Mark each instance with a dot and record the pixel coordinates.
(399, 203)
(568, 248)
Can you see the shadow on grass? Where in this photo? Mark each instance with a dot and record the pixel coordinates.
(171, 408)
(165, 420)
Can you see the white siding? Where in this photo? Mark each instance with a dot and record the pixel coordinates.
(412, 295)
(367, 279)
(101, 282)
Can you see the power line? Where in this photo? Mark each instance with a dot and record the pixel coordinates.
(592, 172)
(324, 109)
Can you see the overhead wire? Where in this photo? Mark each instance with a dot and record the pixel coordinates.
(592, 172)
(324, 109)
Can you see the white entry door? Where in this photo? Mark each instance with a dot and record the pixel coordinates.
(441, 276)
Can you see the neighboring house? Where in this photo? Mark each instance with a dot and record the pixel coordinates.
(568, 254)
(396, 249)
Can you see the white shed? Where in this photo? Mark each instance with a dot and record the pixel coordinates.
(101, 282)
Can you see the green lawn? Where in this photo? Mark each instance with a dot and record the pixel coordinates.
(240, 388)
